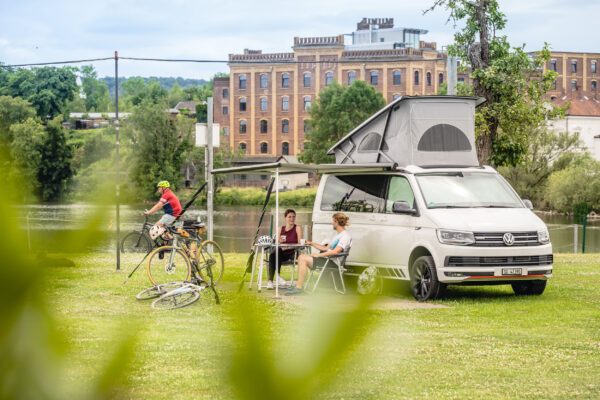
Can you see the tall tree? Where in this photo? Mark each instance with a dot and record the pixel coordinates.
(26, 154)
(96, 91)
(55, 171)
(508, 78)
(337, 111)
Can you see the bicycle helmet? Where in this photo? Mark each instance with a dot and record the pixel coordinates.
(156, 231)
(163, 184)
(264, 240)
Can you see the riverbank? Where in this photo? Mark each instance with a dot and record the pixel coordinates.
(499, 346)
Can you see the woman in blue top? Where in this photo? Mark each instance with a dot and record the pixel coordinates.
(339, 243)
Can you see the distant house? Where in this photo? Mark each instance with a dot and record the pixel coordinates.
(582, 117)
(93, 120)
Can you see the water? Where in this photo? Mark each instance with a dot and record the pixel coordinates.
(235, 226)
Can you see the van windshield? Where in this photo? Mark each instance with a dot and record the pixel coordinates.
(467, 190)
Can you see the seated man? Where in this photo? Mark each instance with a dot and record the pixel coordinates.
(339, 243)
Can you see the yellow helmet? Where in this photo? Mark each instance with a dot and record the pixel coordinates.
(163, 184)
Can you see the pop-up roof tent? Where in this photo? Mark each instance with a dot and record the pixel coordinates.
(424, 131)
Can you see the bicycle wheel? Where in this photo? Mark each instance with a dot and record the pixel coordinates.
(136, 242)
(154, 291)
(168, 264)
(209, 255)
(176, 299)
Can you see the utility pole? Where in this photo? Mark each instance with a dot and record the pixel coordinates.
(209, 165)
(118, 174)
(452, 74)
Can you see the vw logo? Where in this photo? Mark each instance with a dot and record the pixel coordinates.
(508, 239)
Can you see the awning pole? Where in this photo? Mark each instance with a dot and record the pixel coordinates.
(276, 233)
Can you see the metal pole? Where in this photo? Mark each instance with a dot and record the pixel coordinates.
(452, 78)
(118, 247)
(209, 165)
(575, 228)
(276, 233)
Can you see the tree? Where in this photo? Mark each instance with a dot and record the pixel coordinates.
(26, 154)
(176, 94)
(548, 152)
(12, 110)
(95, 91)
(55, 171)
(509, 79)
(136, 90)
(576, 184)
(159, 144)
(48, 89)
(337, 111)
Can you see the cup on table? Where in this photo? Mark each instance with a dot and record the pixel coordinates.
(303, 241)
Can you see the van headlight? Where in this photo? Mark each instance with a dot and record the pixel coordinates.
(543, 236)
(459, 238)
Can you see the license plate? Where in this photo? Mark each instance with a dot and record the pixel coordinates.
(512, 271)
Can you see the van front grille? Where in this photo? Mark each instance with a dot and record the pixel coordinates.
(517, 261)
(495, 239)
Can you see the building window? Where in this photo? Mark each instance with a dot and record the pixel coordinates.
(264, 148)
(285, 148)
(285, 126)
(307, 103)
(264, 126)
(285, 103)
(416, 77)
(225, 93)
(225, 131)
(574, 84)
(441, 78)
(285, 80)
(374, 78)
(306, 79)
(242, 81)
(554, 84)
(573, 66)
(328, 78)
(397, 78)
(593, 66)
(263, 104)
(225, 110)
(306, 127)
(594, 85)
(242, 147)
(243, 126)
(428, 78)
(351, 77)
(264, 81)
(242, 104)
(553, 65)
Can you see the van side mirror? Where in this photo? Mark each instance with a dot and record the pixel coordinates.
(528, 204)
(402, 207)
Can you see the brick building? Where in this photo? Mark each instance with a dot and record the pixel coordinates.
(578, 75)
(263, 106)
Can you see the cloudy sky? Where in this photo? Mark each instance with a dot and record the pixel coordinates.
(42, 31)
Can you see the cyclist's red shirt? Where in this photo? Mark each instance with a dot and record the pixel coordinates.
(171, 204)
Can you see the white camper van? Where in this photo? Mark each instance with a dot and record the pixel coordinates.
(431, 215)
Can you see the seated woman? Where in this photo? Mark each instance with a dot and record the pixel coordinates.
(290, 233)
(340, 242)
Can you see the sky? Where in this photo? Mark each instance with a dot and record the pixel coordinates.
(34, 31)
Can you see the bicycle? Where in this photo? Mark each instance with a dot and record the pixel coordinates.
(139, 241)
(188, 260)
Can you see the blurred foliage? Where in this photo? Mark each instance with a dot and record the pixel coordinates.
(54, 171)
(256, 196)
(33, 349)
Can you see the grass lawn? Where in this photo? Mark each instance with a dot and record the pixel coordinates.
(486, 343)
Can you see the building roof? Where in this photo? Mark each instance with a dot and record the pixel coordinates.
(190, 105)
(583, 107)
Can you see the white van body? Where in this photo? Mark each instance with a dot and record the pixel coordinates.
(466, 221)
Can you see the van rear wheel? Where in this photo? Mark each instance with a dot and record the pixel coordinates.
(529, 288)
(424, 282)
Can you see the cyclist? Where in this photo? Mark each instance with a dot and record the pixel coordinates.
(168, 202)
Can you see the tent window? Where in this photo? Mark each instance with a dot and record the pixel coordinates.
(370, 143)
(444, 137)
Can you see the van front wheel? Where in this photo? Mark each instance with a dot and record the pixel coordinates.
(424, 281)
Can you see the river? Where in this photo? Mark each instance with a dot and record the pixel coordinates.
(48, 225)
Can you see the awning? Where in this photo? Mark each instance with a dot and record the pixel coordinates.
(287, 168)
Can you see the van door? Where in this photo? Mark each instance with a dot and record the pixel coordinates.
(396, 232)
(361, 198)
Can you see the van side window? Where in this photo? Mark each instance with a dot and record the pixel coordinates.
(356, 193)
(399, 190)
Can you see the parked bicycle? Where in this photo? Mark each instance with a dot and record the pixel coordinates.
(139, 241)
(189, 259)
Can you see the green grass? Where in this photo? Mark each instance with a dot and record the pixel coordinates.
(486, 344)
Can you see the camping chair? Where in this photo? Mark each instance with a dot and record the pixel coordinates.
(335, 265)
